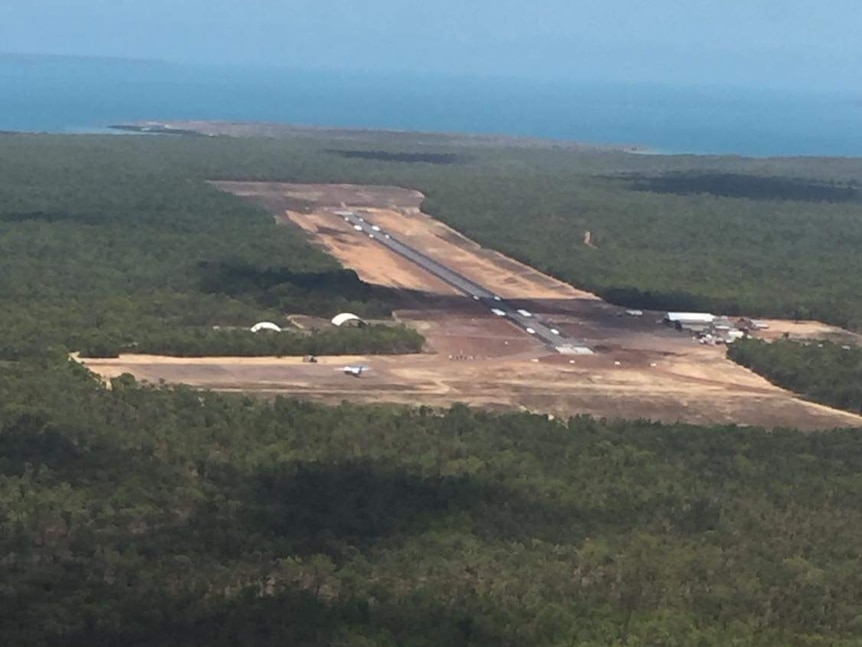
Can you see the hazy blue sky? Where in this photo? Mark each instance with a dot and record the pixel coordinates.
(803, 43)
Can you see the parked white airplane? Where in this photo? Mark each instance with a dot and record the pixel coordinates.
(355, 371)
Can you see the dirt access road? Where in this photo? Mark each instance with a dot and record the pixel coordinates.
(640, 370)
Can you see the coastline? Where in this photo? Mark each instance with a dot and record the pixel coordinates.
(195, 128)
(61, 95)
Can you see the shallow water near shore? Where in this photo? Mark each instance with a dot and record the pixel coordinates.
(68, 95)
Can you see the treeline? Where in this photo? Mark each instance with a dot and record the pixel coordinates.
(765, 237)
(777, 237)
(148, 516)
(197, 342)
(824, 371)
(91, 218)
(282, 289)
(105, 241)
(662, 249)
(753, 187)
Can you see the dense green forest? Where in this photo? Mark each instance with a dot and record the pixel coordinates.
(104, 244)
(84, 221)
(824, 371)
(148, 516)
(662, 250)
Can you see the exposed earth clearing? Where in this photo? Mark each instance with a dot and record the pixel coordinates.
(397, 211)
(807, 330)
(641, 369)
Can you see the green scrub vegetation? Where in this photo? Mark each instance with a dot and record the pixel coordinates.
(147, 515)
(87, 222)
(140, 515)
(823, 371)
(105, 247)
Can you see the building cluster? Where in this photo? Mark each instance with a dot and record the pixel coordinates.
(711, 329)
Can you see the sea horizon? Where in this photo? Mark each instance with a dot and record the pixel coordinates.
(79, 95)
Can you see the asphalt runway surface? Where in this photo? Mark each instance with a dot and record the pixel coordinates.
(523, 319)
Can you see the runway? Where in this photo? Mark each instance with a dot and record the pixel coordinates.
(523, 319)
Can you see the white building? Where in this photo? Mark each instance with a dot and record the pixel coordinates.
(689, 318)
(347, 318)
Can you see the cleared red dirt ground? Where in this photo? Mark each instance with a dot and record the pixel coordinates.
(641, 369)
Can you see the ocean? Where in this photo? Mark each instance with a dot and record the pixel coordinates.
(71, 95)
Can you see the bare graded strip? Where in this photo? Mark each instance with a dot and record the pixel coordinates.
(506, 276)
(396, 210)
(373, 263)
(513, 383)
(642, 369)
